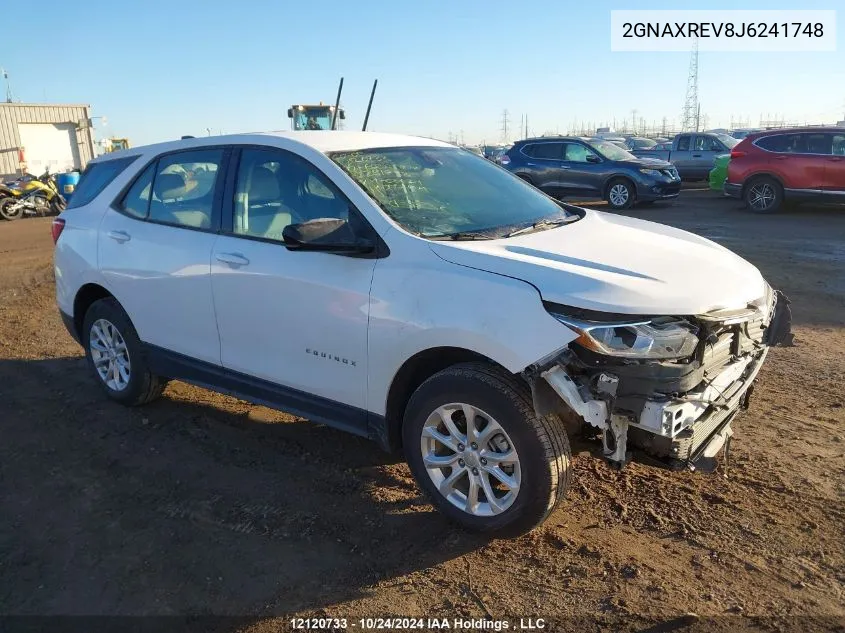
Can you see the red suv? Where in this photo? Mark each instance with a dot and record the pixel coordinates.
(769, 167)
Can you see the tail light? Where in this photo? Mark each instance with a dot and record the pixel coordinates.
(738, 153)
(56, 228)
(504, 160)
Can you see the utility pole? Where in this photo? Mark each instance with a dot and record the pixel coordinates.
(505, 122)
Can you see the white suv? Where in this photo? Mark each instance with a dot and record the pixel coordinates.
(411, 292)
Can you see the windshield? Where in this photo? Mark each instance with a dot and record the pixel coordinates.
(312, 118)
(445, 191)
(641, 143)
(611, 151)
(729, 141)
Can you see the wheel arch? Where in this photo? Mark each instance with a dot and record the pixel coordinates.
(756, 176)
(605, 189)
(415, 371)
(85, 297)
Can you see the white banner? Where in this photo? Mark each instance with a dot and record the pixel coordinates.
(723, 30)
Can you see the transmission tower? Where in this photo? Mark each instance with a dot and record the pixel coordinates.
(8, 85)
(505, 122)
(689, 118)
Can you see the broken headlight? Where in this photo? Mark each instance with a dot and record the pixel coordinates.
(660, 338)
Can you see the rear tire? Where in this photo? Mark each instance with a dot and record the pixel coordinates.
(5, 203)
(763, 195)
(116, 347)
(620, 193)
(57, 204)
(523, 453)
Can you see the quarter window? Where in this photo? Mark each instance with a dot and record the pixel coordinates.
(95, 178)
(275, 189)
(183, 188)
(839, 144)
(136, 202)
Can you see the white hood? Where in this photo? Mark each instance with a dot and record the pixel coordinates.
(612, 263)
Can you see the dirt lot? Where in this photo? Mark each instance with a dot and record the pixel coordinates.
(202, 504)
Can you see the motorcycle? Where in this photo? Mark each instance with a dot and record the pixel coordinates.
(32, 196)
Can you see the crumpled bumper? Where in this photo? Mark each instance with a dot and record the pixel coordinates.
(681, 429)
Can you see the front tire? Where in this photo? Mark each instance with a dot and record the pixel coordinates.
(115, 357)
(763, 195)
(481, 454)
(620, 193)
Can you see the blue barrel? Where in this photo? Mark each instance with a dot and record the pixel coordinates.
(67, 183)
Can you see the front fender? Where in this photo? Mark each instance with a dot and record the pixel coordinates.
(452, 305)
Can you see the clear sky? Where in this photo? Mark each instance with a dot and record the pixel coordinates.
(159, 69)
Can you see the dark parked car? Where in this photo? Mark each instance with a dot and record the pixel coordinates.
(807, 164)
(693, 154)
(639, 142)
(563, 166)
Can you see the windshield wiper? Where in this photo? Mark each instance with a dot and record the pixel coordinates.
(459, 235)
(542, 224)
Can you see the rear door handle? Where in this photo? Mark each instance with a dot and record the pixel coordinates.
(781, 157)
(235, 259)
(834, 160)
(696, 155)
(119, 236)
(565, 167)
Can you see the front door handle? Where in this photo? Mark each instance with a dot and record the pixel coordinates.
(565, 167)
(235, 259)
(834, 160)
(119, 236)
(781, 157)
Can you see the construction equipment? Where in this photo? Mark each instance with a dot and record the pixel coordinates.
(116, 144)
(322, 116)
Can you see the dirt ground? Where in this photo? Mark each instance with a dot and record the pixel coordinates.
(204, 505)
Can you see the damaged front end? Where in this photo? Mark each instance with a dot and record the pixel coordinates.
(671, 386)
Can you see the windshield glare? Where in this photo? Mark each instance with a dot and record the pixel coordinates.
(729, 141)
(611, 151)
(438, 191)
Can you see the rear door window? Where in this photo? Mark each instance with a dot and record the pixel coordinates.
(183, 188)
(784, 143)
(95, 178)
(549, 151)
(683, 143)
(818, 143)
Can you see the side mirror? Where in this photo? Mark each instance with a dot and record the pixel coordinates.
(328, 235)
(592, 158)
(342, 114)
(290, 113)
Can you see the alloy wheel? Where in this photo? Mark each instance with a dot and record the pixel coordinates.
(761, 196)
(109, 354)
(618, 195)
(470, 459)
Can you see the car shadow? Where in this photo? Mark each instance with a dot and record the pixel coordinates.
(195, 504)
